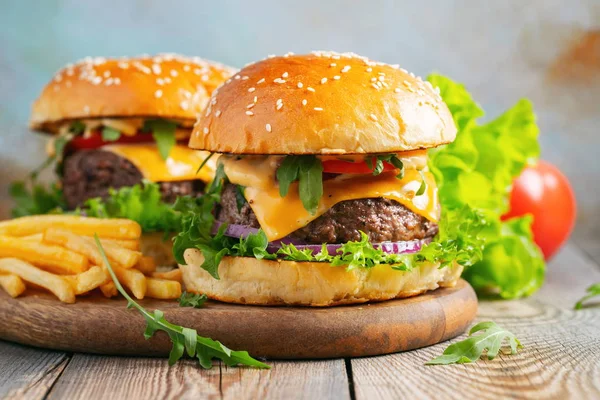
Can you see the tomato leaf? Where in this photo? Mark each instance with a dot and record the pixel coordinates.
(287, 173)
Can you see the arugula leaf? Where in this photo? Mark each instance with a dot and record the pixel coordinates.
(240, 199)
(110, 134)
(77, 127)
(142, 203)
(592, 291)
(183, 339)
(310, 177)
(204, 162)
(194, 300)
(423, 185)
(37, 200)
(471, 349)
(477, 171)
(287, 173)
(163, 132)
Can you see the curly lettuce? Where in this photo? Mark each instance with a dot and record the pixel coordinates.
(477, 171)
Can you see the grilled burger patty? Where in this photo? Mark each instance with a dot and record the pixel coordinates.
(381, 219)
(91, 173)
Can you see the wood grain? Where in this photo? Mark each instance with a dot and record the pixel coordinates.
(28, 373)
(146, 378)
(105, 326)
(560, 358)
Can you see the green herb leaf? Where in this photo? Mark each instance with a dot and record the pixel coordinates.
(77, 127)
(310, 176)
(240, 199)
(183, 339)
(204, 162)
(471, 349)
(423, 185)
(36, 200)
(592, 291)
(163, 133)
(194, 300)
(287, 173)
(110, 134)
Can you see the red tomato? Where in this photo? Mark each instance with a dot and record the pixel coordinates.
(351, 167)
(95, 140)
(544, 192)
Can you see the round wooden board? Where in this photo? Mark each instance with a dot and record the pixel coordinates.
(98, 325)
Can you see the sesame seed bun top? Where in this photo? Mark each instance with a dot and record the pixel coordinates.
(165, 85)
(323, 103)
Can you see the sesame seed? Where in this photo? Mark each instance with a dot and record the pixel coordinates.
(68, 83)
(346, 68)
(117, 81)
(123, 65)
(261, 81)
(337, 77)
(251, 89)
(268, 127)
(160, 81)
(373, 79)
(323, 81)
(174, 73)
(184, 104)
(158, 94)
(106, 74)
(310, 89)
(369, 69)
(186, 68)
(381, 78)
(250, 105)
(249, 113)
(285, 75)
(300, 85)
(304, 102)
(205, 130)
(397, 90)
(279, 80)
(245, 78)
(204, 78)
(167, 79)
(86, 109)
(279, 101)
(318, 109)
(97, 80)
(218, 113)
(375, 86)
(255, 99)
(373, 117)
(156, 69)
(197, 71)
(381, 73)
(109, 81)
(332, 64)
(236, 77)
(279, 106)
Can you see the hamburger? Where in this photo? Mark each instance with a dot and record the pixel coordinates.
(322, 194)
(124, 123)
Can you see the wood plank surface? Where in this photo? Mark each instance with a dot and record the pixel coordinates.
(559, 360)
(102, 377)
(28, 373)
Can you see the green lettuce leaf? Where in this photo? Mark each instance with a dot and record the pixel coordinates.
(477, 171)
(143, 204)
(35, 200)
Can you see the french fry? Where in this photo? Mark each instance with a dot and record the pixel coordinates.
(124, 257)
(12, 284)
(52, 258)
(173, 275)
(109, 289)
(54, 283)
(163, 289)
(36, 237)
(91, 279)
(128, 244)
(146, 265)
(133, 280)
(105, 228)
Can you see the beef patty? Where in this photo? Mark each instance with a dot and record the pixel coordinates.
(381, 219)
(91, 173)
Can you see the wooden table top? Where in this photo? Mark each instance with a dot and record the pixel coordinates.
(559, 360)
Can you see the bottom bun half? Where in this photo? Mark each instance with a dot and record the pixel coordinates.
(246, 280)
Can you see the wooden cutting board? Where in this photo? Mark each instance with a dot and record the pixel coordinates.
(98, 325)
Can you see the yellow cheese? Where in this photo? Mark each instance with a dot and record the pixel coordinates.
(180, 166)
(279, 216)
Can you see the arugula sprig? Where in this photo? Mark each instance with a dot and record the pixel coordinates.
(308, 171)
(194, 300)
(163, 132)
(376, 164)
(183, 339)
(592, 291)
(110, 134)
(471, 349)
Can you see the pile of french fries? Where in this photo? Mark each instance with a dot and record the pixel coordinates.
(58, 253)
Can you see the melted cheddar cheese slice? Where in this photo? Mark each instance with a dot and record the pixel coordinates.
(180, 166)
(279, 216)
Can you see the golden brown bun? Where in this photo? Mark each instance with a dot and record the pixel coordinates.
(166, 86)
(246, 280)
(154, 245)
(323, 103)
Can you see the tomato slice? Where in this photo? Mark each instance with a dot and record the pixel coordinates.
(351, 167)
(95, 140)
